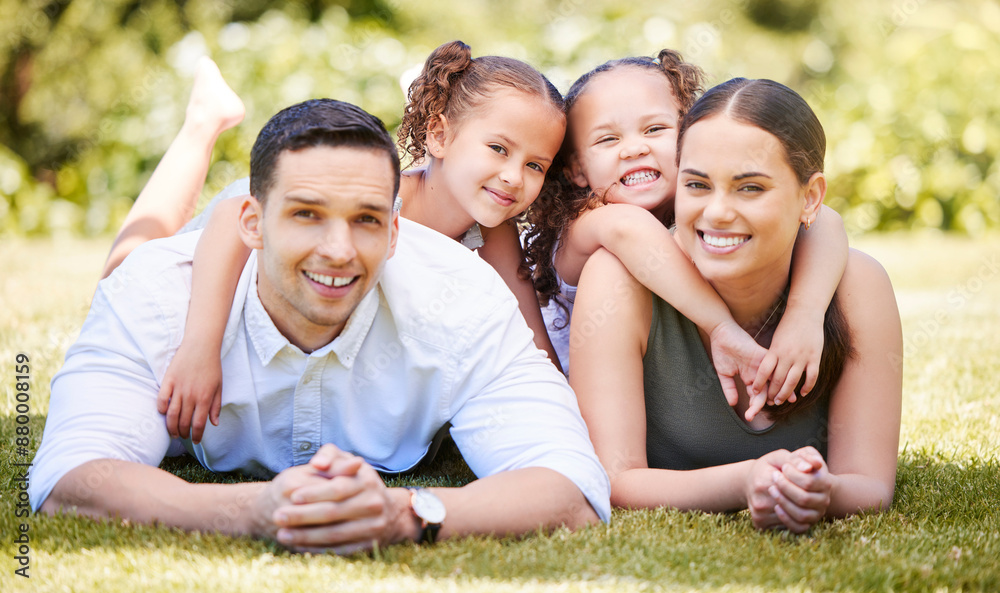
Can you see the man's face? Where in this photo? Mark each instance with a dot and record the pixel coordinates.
(325, 232)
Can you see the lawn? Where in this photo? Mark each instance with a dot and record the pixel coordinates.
(942, 532)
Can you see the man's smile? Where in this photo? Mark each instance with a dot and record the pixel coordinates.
(330, 281)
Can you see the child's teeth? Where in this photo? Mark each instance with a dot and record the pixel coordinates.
(639, 177)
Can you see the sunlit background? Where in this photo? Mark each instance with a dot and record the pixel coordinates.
(92, 91)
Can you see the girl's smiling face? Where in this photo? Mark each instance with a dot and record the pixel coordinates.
(623, 135)
(739, 202)
(494, 160)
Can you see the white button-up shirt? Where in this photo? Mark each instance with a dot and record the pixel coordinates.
(439, 339)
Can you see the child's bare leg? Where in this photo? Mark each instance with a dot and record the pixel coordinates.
(171, 194)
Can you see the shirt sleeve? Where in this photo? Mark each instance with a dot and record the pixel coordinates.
(517, 410)
(103, 401)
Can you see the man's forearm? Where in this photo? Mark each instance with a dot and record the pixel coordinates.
(514, 503)
(509, 503)
(145, 494)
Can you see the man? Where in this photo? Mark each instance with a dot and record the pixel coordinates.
(328, 341)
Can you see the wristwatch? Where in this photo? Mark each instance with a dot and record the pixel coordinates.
(429, 509)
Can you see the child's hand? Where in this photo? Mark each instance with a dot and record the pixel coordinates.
(734, 353)
(191, 392)
(795, 349)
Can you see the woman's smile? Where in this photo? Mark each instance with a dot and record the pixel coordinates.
(722, 242)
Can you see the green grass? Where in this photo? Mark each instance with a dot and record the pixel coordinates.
(941, 534)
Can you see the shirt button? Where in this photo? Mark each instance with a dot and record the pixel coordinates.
(308, 378)
(305, 446)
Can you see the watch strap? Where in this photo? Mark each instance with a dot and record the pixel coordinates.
(429, 532)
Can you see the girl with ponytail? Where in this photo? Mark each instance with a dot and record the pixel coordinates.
(614, 187)
(482, 134)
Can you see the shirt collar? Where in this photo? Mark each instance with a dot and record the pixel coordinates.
(268, 341)
(347, 345)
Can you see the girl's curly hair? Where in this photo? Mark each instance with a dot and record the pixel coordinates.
(453, 84)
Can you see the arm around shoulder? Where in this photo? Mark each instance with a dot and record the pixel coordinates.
(192, 387)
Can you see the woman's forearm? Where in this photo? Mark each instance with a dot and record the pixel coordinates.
(855, 493)
(712, 489)
(725, 488)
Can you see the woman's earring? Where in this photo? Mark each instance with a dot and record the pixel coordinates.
(808, 223)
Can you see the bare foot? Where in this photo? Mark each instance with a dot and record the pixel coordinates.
(213, 106)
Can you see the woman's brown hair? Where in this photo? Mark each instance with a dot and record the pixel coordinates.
(838, 347)
(772, 107)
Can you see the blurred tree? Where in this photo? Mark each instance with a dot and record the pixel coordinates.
(92, 91)
(783, 15)
(23, 36)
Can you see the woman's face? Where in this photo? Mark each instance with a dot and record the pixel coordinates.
(739, 203)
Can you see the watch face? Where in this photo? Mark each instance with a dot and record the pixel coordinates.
(427, 506)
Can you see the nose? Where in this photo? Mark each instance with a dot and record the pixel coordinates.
(634, 147)
(718, 209)
(511, 175)
(337, 245)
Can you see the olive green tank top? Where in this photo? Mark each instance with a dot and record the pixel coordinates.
(689, 424)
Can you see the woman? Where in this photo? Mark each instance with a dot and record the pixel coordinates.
(750, 161)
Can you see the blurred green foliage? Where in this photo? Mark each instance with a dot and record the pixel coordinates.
(92, 91)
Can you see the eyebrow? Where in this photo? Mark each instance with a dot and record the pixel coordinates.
(318, 202)
(507, 140)
(697, 173)
(306, 201)
(376, 207)
(600, 130)
(750, 174)
(665, 116)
